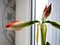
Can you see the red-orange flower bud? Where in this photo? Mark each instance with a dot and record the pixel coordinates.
(47, 11)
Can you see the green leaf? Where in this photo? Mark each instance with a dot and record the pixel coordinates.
(47, 43)
(55, 24)
(24, 24)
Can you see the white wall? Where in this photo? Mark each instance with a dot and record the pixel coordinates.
(23, 14)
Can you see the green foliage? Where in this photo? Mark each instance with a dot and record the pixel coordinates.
(47, 43)
(55, 24)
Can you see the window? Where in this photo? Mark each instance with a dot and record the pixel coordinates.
(37, 9)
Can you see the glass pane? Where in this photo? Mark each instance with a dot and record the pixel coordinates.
(52, 33)
(40, 5)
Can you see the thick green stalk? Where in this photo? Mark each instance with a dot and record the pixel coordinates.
(43, 33)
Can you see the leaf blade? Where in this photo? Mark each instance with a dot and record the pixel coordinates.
(47, 43)
(55, 24)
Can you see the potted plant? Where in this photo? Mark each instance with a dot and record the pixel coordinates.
(17, 25)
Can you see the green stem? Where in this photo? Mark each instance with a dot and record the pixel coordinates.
(43, 33)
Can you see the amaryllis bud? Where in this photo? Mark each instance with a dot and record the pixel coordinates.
(10, 25)
(15, 25)
(47, 11)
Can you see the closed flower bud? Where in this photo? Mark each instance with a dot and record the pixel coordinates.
(11, 25)
(47, 11)
(16, 25)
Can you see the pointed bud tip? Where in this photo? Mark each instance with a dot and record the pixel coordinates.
(50, 4)
(10, 24)
(45, 8)
(48, 10)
